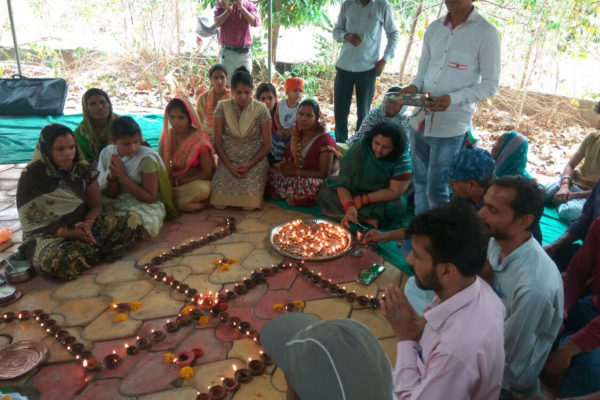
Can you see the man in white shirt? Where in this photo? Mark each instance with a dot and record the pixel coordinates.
(359, 27)
(455, 350)
(526, 279)
(459, 65)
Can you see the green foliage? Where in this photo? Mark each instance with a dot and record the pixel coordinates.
(293, 13)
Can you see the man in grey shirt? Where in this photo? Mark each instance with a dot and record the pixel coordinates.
(525, 278)
(358, 27)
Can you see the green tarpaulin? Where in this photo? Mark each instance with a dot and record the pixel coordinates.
(19, 135)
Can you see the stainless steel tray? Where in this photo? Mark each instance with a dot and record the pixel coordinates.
(288, 252)
(410, 99)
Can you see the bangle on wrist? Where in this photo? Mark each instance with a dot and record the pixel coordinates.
(60, 232)
(90, 221)
(348, 205)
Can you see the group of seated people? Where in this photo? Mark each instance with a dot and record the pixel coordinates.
(90, 194)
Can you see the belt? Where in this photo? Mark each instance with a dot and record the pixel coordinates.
(241, 50)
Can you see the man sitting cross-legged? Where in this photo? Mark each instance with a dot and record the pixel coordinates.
(525, 278)
(455, 350)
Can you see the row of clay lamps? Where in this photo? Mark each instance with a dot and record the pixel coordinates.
(244, 375)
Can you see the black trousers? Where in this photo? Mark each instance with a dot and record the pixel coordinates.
(345, 81)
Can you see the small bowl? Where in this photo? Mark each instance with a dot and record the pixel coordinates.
(18, 271)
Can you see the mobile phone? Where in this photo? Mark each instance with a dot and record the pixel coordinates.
(367, 277)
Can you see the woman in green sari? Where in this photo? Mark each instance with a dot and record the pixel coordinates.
(93, 133)
(375, 173)
(58, 199)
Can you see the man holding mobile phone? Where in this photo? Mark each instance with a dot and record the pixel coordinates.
(234, 19)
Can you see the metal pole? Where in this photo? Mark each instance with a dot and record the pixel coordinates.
(270, 40)
(14, 34)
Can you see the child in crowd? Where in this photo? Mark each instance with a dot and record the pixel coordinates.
(266, 93)
(285, 116)
(134, 177)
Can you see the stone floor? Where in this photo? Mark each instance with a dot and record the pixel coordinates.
(82, 307)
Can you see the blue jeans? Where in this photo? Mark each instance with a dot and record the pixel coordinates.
(430, 155)
(569, 211)
(583, 377)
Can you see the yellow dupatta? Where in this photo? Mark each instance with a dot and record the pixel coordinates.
(242, 126)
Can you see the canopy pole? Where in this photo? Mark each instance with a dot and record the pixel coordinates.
(14, 35)
(270, 40)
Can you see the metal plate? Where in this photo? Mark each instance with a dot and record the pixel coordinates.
(410, 99)
(21, 357)
(275, 231)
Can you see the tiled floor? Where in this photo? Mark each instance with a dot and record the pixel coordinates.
(82, 307)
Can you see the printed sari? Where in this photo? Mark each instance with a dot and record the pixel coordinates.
(191, 196)
(297, 189)
(49, 198)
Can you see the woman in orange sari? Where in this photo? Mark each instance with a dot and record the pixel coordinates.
(188, 155)
(207, 102)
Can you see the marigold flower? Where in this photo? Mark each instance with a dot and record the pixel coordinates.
(114, 305)
(203, 320)
(186, 372)
(169, 357)
(278, 307)
(120, 317)
(233, 260)
(187, 309)
(299, 304)
(135, 305)
(217, 261)
(225, 267)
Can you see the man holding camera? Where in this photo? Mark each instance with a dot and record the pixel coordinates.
(234, 19)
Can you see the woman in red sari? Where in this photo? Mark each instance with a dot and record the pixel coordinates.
(309, 157)
(188, 155)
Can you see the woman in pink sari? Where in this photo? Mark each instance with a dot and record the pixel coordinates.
(188, 154)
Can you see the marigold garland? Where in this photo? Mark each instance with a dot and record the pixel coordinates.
(136, 305)
(203, 320)
(278, 307)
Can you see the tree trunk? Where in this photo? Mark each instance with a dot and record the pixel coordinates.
(411, 37)
(275, 32)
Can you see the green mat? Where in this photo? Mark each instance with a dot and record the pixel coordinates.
(19, 136)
